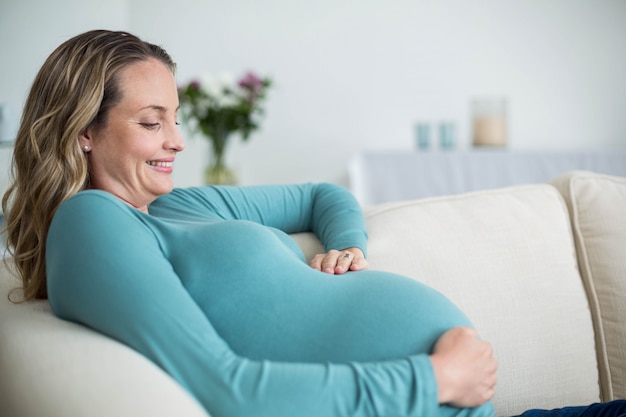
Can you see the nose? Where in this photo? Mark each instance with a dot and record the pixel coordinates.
(175, 141)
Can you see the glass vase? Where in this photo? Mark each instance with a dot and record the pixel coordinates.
(217, 172)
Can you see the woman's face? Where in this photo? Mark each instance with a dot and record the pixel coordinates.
(132, 155)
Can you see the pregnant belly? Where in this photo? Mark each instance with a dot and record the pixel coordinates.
(298, 314)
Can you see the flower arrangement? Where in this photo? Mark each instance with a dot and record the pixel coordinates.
(219, 106)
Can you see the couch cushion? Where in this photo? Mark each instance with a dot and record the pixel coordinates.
(54, 368)
(597, 204)
(506, 257)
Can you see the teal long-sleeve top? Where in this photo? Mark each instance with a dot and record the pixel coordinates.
(210, 287)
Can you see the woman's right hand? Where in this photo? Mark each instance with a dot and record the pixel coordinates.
(465, 369)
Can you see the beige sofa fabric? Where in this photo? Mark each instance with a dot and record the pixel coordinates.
(597, 205)
(507, 258)
(52, 368)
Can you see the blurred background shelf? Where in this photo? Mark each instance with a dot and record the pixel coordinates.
(379, 177)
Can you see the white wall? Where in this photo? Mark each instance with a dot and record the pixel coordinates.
(356, 75)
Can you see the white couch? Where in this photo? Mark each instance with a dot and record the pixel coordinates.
(540, 269)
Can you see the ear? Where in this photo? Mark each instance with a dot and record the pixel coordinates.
(84, 139)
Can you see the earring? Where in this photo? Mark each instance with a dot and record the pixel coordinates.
(86, 148)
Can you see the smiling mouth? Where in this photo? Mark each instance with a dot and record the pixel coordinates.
(159, 164)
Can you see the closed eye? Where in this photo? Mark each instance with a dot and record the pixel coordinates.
(150, 126)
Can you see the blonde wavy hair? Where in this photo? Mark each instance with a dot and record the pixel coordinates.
(73, 91)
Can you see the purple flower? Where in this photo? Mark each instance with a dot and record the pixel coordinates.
(250, 81)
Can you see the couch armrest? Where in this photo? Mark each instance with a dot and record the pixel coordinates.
(55, 368)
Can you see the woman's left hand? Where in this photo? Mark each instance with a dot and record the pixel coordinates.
(339, 261)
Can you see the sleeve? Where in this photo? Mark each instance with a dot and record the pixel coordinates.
(328, 210)
(106, 271)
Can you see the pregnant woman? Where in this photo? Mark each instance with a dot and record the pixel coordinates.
(206, 282)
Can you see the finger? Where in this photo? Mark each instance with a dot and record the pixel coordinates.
(469, 332)
(490, 394)
(358, 264)
(329, 261)
(316, 262)
(493, 367)
(344, 260)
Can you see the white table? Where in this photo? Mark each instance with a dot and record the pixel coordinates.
(378, 177)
